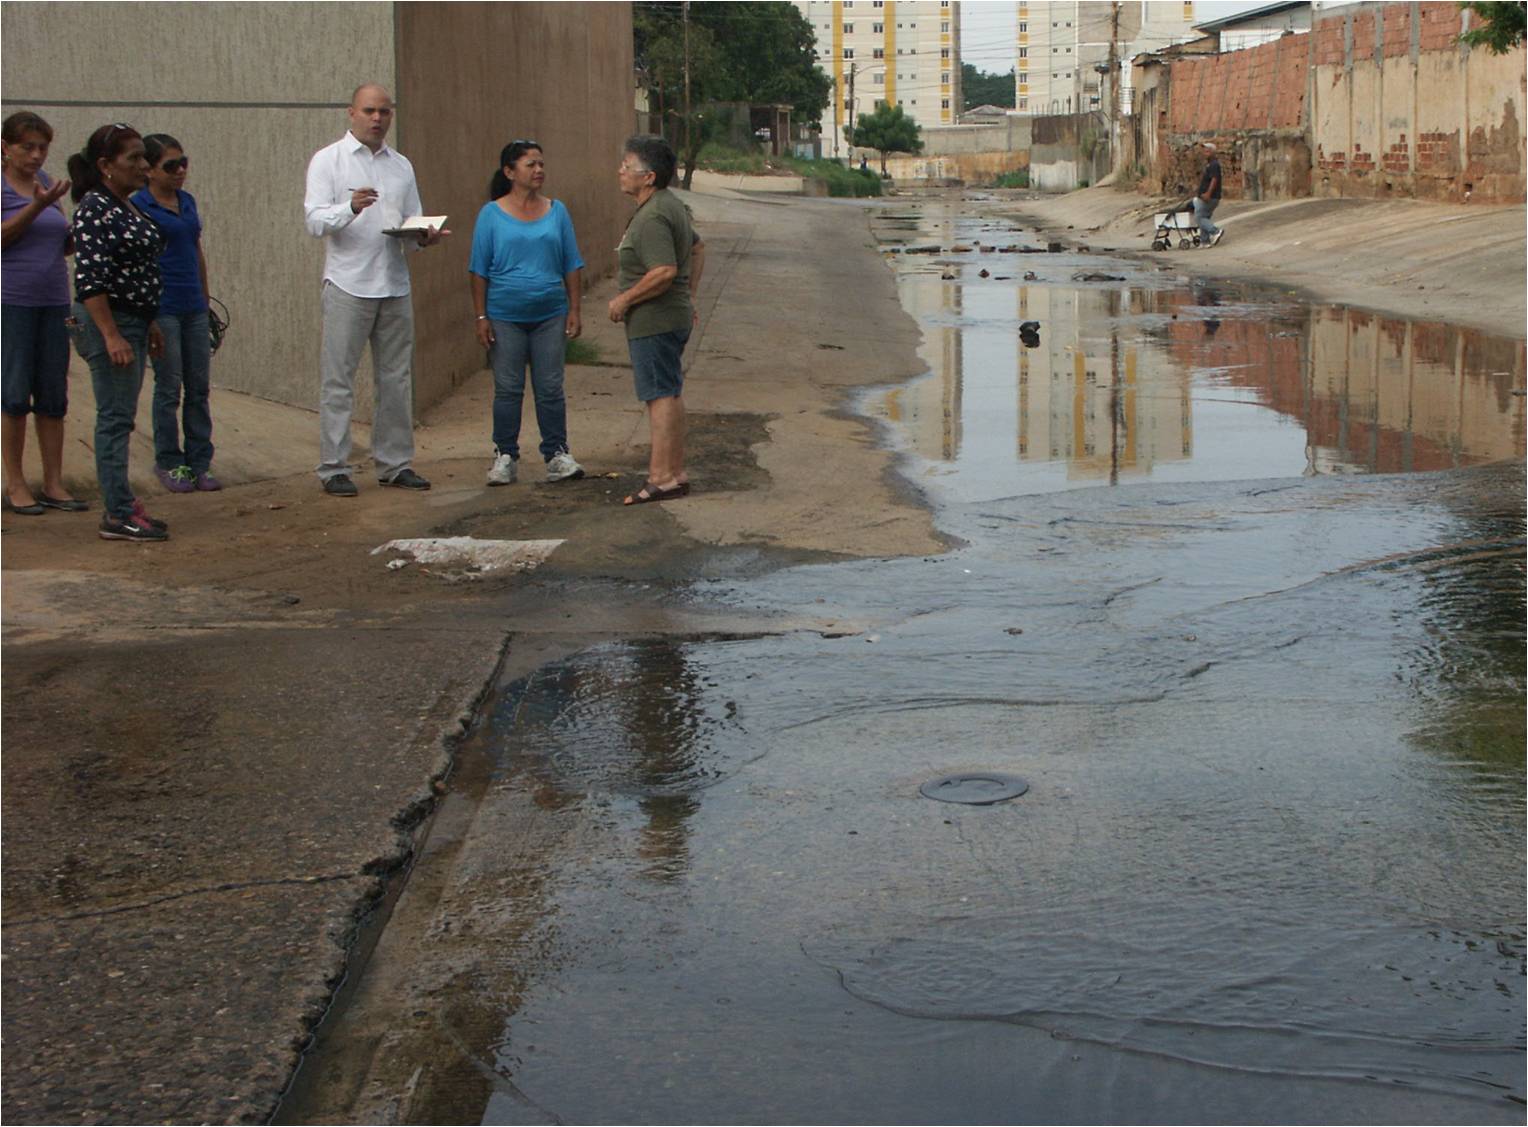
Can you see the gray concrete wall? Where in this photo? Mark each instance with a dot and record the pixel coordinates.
(1067, 150)
(251, 90)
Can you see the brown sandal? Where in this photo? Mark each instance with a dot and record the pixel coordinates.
(650, 493)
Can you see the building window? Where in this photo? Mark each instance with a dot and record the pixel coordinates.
(878, 28)
(880, 103)
(944, 77)
(944, 52)
(1023, 76)
(878, 52)
(944, 25)
(880, 80)
(879, 4)
(1023, 27)
(1023, 52)
(848, 52)
(1023, 103)
(848, 29)
(944, 103)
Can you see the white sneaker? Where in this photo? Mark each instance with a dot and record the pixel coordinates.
(1215, 238)
(504, 470)
(562, 467)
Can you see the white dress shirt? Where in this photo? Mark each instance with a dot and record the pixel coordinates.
(358, 257)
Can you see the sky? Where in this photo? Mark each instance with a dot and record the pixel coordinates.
(987, 28)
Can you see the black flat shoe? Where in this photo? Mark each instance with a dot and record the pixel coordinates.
(32, 510)
(69, 506)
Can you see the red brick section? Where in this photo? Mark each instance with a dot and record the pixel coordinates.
(1397, 19)
(1398, 157)
(1438, 153)
(1440, 25)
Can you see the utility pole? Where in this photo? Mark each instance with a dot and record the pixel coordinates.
(852, 68)
(685, 7)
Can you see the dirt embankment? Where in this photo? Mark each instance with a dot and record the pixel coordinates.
(1434, 262)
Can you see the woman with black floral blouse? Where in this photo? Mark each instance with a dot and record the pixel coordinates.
(116, 289)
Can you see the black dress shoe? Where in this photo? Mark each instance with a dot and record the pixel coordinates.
(34, 509)
(69, 506)
(340, 485)
(407, 479)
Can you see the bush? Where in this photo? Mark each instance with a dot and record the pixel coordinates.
(717, 157)
(1019, 179)
(841, 181)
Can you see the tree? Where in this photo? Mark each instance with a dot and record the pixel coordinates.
(738, 52)
(982, 89)
(1502, 26)
(887, 130)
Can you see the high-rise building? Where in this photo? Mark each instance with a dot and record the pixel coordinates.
(897, 52)
(1065, 48)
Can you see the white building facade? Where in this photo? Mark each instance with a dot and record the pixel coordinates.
(897, 52)
(1064, 48)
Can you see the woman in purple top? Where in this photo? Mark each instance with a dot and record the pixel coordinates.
(182, 375)
(35, 307)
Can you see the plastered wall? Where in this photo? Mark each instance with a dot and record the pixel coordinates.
(252, 90)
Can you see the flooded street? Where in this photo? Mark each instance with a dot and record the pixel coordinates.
(1239, 593)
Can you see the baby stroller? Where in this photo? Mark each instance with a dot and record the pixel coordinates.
(1177, 225)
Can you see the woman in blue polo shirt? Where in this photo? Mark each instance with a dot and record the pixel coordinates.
(182, 376)
(526, 291)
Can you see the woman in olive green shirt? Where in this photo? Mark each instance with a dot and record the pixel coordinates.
(660, 265)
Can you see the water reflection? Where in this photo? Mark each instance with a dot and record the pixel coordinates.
(1147, 378)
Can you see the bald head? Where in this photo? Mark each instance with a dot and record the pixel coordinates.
(371, 114)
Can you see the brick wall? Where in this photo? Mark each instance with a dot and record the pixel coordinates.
(1378, 99)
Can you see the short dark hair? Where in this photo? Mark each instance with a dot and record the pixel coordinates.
(155, 145)
(22, 122)
(656, 155)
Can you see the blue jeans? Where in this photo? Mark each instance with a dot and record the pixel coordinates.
(544, 346)
(185, 367)
(35, 343)
(116, 395)
(1202, 212)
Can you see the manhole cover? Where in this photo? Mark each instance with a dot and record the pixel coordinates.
(974, 788)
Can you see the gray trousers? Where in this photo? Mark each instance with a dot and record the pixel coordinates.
(350, 323)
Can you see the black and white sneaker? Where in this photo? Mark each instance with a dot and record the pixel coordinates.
(133, 528)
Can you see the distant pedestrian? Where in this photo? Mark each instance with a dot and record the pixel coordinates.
(117, 287)
(527, 291)
(34, 305)
(359, 188)
(1207, 198)
(182, 376)
(659, 257)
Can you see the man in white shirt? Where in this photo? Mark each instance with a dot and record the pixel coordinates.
(358, 187)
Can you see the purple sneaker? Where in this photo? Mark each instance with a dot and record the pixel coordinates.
(182, 479)
(206, 483)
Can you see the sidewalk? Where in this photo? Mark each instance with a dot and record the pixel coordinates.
(218, 747)
(1464, 264)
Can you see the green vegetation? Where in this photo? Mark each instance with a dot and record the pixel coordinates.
(1019, 179)
(978, 88)
(887, 130)
(1503, 26)
(581, 351)
(841, 181)
(758, 52)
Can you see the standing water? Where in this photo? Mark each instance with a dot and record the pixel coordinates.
(1240, 598)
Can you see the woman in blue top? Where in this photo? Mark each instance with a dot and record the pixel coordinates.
(182, 376)
(526, 291)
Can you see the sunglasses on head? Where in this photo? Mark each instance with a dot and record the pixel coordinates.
(174, 166)
(527, 143)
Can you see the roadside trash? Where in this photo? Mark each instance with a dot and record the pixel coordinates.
(834, 347)
(983, 274)
(395, 565)
(1029, 334)
(291, 600)
(1030, 275)
(1093, 276)
(474, 557)
(1053, 248)
(1008, 250)
(920, 250)
(959, 248)
(1015, 630)
(947, 276)
(276, 505)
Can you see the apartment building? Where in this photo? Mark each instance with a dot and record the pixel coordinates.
(1064, 47)
(897, 52)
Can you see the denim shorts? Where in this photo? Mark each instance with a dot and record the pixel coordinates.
(35, 345)
(655, 364)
